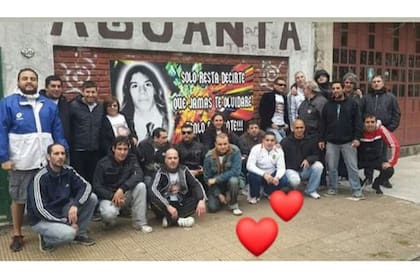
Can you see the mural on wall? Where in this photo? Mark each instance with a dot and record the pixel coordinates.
(171, 94)
(75, 74)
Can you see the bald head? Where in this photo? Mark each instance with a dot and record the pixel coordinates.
(172, 159)
(298, 129)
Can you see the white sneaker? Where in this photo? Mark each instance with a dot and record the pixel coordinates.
(253, 200)
(146, 229)
(314, 195)
(164, 222)
(237, 212)
(186, 222)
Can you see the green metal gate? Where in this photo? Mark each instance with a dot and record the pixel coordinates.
(4, 192)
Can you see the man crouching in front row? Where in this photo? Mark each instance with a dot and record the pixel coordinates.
(176, 193)
(60, 203)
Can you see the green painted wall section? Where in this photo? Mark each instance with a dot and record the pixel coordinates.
(5, 217)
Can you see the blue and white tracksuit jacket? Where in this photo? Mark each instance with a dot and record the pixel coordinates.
(26, 130)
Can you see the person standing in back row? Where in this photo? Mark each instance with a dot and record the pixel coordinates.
(274, 108)
(85, 120)
(341, 130)
(384, 105)
(54, 91)
(29, 123)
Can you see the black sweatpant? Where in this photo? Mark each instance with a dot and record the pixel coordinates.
(186, 207)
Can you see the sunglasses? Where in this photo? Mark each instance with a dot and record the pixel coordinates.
(281, 85)
(186, 132)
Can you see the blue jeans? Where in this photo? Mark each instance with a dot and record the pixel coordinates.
(256, 181)
(57, 233)
(135, 198)
(280, 133)
(232, 186)
(312, 174)
(350, 159)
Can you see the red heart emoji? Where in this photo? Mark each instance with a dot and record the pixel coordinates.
(256, 237)
(286, 206)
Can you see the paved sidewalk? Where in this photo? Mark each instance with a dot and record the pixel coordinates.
(332, 228)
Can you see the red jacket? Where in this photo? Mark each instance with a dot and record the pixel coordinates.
(371, 145)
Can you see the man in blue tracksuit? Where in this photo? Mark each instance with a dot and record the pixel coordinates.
(29, 122)
(60, 203)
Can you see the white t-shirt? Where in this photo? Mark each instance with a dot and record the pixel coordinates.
(278, 116)
(119, 125)
(174, 187)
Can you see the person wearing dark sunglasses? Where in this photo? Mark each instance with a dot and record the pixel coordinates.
(273, 109)
(191, 152)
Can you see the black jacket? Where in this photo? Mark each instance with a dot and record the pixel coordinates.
(297, 150)
(110, 175)
(267, 108)
(64, 113)
(191, 154)
(85, 125)
(384, 106)
(190, 186)
(149, 159)
(341, 122)
(51, 194)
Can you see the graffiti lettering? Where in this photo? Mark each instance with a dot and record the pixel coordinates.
(201, 103)
(150, 35)
(179, 103)
(235, 125)
(196, 27)
(233, 77)
(107, 33)
(199, 127)
(289, 34)
(236, 32)
(233, 102)
(57, 28)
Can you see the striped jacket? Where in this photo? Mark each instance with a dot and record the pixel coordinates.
(51, 194)
(370, 152)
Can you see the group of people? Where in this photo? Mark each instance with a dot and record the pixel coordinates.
(345, 130)
(70, 161)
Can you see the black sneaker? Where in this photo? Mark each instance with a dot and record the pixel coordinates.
(377, 188)
(17, 243)
(43, 246)
(96, 217)
(84, 240)
(387, 185)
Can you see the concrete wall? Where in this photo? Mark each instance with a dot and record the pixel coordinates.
(29, 43)
(324, 32)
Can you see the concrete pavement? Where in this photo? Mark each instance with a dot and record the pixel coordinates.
(332, 228)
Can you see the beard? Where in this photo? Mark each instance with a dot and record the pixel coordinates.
(30, 92)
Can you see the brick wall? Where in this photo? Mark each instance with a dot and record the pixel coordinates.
(76, 65)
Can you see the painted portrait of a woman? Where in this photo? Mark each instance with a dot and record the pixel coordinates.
(145, 98)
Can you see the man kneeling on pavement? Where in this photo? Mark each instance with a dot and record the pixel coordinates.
(176, 193)
(266, 168)
(301, 154)
(371, 154)
(118, 182)
(60, 203)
